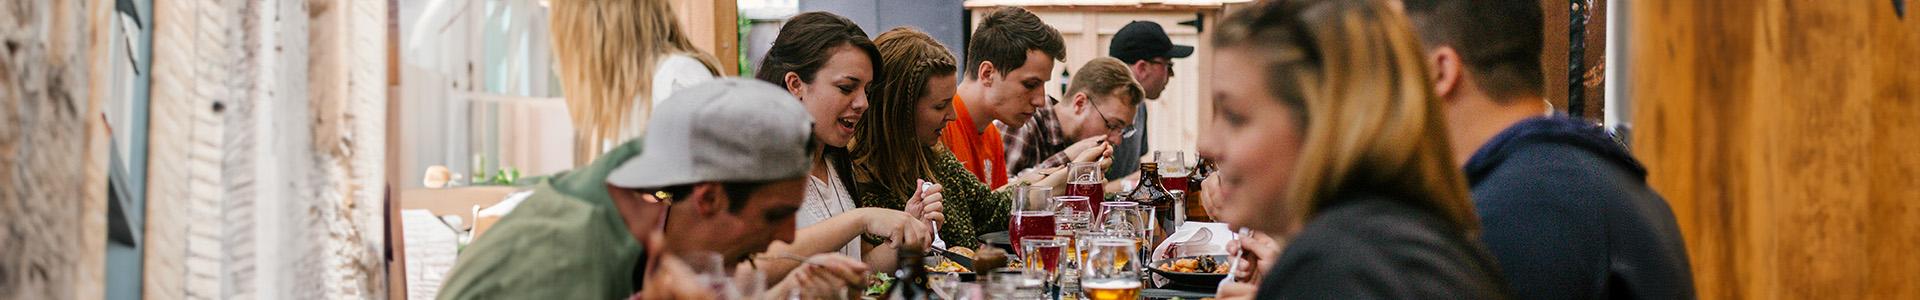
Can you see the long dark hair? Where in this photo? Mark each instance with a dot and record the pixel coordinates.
(805, 43)
(884, 151)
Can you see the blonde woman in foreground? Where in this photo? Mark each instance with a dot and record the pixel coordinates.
(1330, 138)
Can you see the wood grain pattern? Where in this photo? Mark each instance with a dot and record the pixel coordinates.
(1781, 132)
(53, 83)
(267, 149)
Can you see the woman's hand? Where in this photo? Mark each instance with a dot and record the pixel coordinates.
(1236, 290)
(903, 230)
(926, 202)
(1257, 254)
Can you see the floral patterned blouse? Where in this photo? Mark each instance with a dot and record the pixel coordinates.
(971, 208)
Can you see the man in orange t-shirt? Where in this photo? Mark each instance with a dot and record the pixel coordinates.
(1009, 61)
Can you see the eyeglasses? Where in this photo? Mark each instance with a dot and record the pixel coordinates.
(1164, 61)
(1125, 130)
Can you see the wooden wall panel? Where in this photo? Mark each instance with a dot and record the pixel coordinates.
(1894, 172)
(54, 80)
(712, 26)
(1781, 132)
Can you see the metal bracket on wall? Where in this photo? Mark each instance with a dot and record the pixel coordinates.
(1199, 22)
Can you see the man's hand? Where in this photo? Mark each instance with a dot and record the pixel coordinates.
(1210, 197)
(823, 276)
(1096, 153)
(1081, 146)
(672, 278)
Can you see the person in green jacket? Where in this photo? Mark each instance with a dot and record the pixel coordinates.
(728, 185)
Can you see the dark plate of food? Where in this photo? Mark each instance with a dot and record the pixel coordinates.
(951, 263)
(1193, 273)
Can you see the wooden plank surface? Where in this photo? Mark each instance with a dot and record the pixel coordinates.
(53, 209)
(1894, 170)
(1782, 134)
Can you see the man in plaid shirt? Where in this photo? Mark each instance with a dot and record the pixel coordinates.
(1099, 109)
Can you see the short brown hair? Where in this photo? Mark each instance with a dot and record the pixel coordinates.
(1499, 40)
(1006, 35)
(1105, 76)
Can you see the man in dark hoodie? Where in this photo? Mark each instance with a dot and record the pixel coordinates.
(1564, 208)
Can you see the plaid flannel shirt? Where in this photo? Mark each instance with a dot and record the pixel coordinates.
(1039, 144)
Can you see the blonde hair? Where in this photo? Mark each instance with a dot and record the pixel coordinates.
(1353, 74)
(607, 52)
(884, 152)
(1102, 76)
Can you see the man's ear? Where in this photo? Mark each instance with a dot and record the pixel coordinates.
(1447, 71)
(794, 84)
(1081, 103)
(707, 199)
(984, 73)
(1139, 66)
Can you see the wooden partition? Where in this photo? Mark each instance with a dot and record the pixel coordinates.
(55, 81)
(1786, 135)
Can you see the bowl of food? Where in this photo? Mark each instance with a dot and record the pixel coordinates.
(1195, 273)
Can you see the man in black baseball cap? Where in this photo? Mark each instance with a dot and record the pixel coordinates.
(1144, 46)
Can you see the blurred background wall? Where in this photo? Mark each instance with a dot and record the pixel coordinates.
(1784, 134)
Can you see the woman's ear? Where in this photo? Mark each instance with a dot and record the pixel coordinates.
(794, 84)
(1446, 71)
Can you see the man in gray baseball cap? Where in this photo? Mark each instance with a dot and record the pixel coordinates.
(721, 169)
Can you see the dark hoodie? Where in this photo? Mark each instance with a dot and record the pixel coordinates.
(1568, 214)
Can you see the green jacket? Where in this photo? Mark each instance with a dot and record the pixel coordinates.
(566, 241)
(972, 209)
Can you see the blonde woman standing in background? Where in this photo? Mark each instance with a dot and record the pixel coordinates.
(616, 58)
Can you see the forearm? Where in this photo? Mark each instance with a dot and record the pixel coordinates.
(880, 258)
(827, 236)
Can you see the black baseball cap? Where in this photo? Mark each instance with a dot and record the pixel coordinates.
(1143, 40)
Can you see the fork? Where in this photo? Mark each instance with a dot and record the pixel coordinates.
(937, 242)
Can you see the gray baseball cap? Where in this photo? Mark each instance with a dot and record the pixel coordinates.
(723, 130)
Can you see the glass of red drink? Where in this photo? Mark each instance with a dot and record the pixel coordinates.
(1173, 170)
(1084, 179)
(1042, 252)
(1032, 214)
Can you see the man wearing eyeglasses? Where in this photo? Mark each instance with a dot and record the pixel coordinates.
(1149, 53)
(1098, 111)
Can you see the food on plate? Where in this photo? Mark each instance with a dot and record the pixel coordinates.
(948, 266)
(878, 283)
(962, 251)
(1205, 264)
